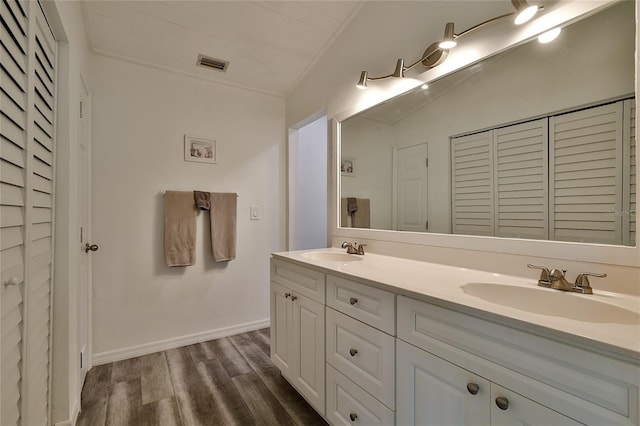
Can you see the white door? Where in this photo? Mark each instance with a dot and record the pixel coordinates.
(432, 391)
(411, 189)
(308, 344)
(84, 221)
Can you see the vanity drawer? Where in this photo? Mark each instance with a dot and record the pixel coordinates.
(348, 404)
(305, 281)
(368, 304)
(363, 354)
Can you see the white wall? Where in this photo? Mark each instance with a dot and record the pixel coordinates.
(308, 154)
(399, 30)
(140, 115)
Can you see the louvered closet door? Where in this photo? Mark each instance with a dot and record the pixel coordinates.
(13, 159)
(521, 178)
(472, 184)
(26, 201)
(629, 177)
(585, 181)
(40, 215)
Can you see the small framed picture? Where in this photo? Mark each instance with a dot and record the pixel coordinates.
(200, 150)
(347, 167)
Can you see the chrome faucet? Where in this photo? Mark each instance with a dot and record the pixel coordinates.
(357, 249)
(556, 279)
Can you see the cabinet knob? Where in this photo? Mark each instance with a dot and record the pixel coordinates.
(353, 352)
(353, 300)
(473, 388)
(287, 295)
(502, 402)
(353, 416)
(294, 297)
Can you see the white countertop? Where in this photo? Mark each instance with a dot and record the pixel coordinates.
(604, 321)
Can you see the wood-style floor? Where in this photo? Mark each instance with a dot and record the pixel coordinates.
(229, 381)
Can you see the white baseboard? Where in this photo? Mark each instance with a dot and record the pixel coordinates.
(163, 345)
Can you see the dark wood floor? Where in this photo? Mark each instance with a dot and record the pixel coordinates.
(229, 381)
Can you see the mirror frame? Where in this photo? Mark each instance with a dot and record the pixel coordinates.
(492, 43)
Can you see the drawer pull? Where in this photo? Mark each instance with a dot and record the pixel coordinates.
(473, 388)
(353, 417)
(353, 300)
(502, 402)
(287, 295)
(294, 297)
(353, 352)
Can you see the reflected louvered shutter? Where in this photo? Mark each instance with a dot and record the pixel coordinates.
(13, 160)
(585, 149)
(472, 184)
(629, 177)
(521, 178)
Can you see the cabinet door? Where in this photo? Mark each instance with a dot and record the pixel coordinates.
(432, 391)
(308, 349)
(509, 408)
(281, 329)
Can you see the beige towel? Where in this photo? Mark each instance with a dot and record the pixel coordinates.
(362, 215)
(179, 228)
(223, 215)
(202, 199)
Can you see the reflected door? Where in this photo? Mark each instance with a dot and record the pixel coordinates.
(411, 166)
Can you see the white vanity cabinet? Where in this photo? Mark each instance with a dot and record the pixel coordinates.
(297, 328)
(522, 378)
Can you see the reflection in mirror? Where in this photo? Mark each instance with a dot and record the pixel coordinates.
(535, 142)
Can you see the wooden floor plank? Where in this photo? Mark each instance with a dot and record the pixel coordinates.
(262, 403)
(229, 381)
(163, 412)
(229, 356)
(124, 406)
(299, 410)
(155, 380)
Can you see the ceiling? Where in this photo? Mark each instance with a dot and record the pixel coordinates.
(270, 44)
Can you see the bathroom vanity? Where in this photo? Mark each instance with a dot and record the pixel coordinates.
(381, 340)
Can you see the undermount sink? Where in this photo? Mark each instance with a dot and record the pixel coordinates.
(550, 302)
(331, 257)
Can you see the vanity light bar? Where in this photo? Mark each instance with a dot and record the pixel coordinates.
(437, 52)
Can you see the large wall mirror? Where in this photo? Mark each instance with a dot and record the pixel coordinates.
(536, 142)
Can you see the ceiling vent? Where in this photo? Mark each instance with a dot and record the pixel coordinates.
(212, 63)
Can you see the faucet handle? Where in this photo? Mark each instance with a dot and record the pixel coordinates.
(582, 282)
(545, 275)
(346, 244)
(361, 248)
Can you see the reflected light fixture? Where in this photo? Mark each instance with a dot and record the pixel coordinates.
(524, 11)
(448, 41)
(549, 36)
(437, 52)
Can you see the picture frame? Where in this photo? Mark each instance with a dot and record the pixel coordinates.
(348, 167)
(199, 150)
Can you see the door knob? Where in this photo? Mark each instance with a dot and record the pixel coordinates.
(90, 247)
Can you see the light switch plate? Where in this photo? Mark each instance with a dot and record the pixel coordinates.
(254, 213)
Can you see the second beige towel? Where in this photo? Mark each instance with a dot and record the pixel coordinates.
(223, 216)
(179, 228)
